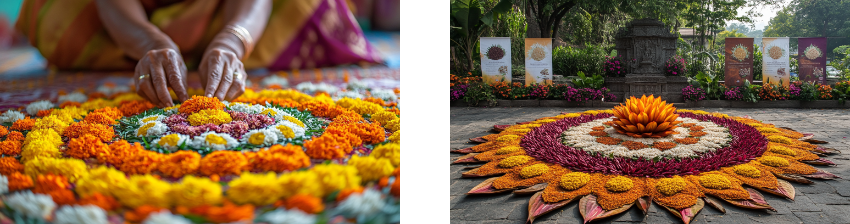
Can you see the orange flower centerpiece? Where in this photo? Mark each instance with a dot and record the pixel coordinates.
(646, 117)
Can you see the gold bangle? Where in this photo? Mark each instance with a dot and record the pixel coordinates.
(243, 35)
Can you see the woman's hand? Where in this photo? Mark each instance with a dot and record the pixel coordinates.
(156, 71)
(222, 73)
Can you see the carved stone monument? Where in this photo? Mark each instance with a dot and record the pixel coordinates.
(645, 45)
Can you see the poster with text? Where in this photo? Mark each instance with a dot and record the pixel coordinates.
(739, 61)
(776, 68)
(811, 56)
(538, 60)
(496, 59)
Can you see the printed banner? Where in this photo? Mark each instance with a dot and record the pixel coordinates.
(811, 56)
(776, 67)
(739, 61)
(496, 59)
(538, 60)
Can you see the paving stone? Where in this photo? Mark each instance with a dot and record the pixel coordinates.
(813, 217)
(829, 199)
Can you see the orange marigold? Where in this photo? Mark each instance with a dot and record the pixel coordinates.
(100, 118)
(87, 146)
(396, 188)
(344, 193)
(69, 104)
(198, 103)
(370, 133)
(663, 145)
(305, 203)
(43, 113)
(608, 140)
(227, 213)
(134, 107)
(140, 213)
(63, 197)
(223, 162)
(15, 136)
(106, 202)
(141, 163)
(10, 148)
(119, 151)
(3, 131)
(347, 117)
(180, 163)
(280, 158)
(10, 165)
(632, 145)
(321, 109)
(346, 134)
(49, 182)
(112, 112)
(101, 131)
(327, 147)
(25, 124)
(18, 181)
(686, 141)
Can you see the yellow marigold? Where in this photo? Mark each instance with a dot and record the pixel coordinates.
(46, 135)
(294, 120)
(279, 158)
(180, 163)
(303, 182)
(104, 132)
(193, 191)
(747, 171)
(715, 181)
(86, 147)
(670, 186)
(508, 150)
(534, 170)
(371, 168)
(69, 114)
(51, 122)
(544, 121)
(110, 112)
(619, 184)
(383, 117)
(101, 179)
(514, 161)
(10, 148)
(18, 181)
(781, 150)
(142, 162)
(9, 165)
(223, 162)
(326, 147)
(574, 180)
(507, 138)
(774, 161)
(73, 169)
(395, 137)
(257, 189)
(360, 106)
(569, 115)
(767, 130)
(389, 151)
(39, 149)
(393, 125)
(306, 203)
(335, 177)
(780, 139)
(100, 118)
(97, 103)
(129, 96)
(198, 103)
(209, 116)
(144, 190)
(25, 124)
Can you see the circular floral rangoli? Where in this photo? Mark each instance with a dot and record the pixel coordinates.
(641, 152)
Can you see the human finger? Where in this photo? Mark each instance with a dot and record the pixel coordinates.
(215, 69)
(226, 81)
(238, 86)
(175, 74)
(160, 85)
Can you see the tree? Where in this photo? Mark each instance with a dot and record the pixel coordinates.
(548, 14)
(720, 40)
(813, 18)
(469, 19)
(709, 16)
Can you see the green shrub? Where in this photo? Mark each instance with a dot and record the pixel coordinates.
(568, 61)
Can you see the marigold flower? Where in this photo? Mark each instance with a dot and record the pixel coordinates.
(198, 103)
(105, 202)
(42, 113)
(10, 165)
(534, 170)
(15, 136)
(715, 181)
(747, 171)
(344, 133)
(209, 116)
(383, 117)
(514, 161)
(142, 162)
(3, 131)
(70, 104)
(393, 125)
(326, 147)
(69, 114)
(305, 203)
(101, 179)
(73, 169)
(303, 182)
(369, 133)
(390, 151)
(193, 191)
(143, 190)
(227, 213)
(100, 118)
(25, 124)
(141, 213)
(46, 183)
(131, 108)
(257, 189)
(344, 193)
(97, 103)
(39, 149)
(280, 158)
(10, 148)
(47, 135)
(63, 197)
(180, 163)
(110, 112)
(395, 137)
(18, 181)
(574, 180)
(86, 147)
(104, 132)
(223, 162)
(670, 186)
(119, 151)
(335, 177)
(371, 168)
(619, 184)
(773, 161)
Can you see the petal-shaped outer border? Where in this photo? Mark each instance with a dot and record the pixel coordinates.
(609, 200)
(492, 168)
(735, 192)
(766, 180)
(794, 167)
(544, 144)
(491, 155)
(685, 198)
(513, 178)
(555, 193)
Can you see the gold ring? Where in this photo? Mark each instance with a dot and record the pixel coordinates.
(142, 76)
(236, 75)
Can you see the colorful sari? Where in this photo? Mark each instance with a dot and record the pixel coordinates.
(300, 34)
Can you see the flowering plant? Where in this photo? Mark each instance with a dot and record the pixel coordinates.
(614, 66)
(734, 93)
(770, 91)
(538, 91)
(458, 91)
(691, 93)
(587, 94)
(675, 66)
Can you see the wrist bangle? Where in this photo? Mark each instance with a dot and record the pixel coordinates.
(243, 35)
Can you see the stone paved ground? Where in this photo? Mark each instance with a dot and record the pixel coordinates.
(823, 202)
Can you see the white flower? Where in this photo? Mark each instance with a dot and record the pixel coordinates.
(274, 80)
(109, 91)
(37, 106)
(149, 118)
(275, 113)
(356, 85)
(310, 88)
(165, 217)
(282, 130)
(246, 108)
(73, 97)
(349, 94)
(171, 111)
(171, 142)
(365, 204)
(4, 184)
(77, 214)
(262, 137)
(29, 204)
(11, 116)
(292, 216)
(384, 94)
(150, 129)
(215, 141)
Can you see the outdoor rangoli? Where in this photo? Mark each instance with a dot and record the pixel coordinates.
(641, 152)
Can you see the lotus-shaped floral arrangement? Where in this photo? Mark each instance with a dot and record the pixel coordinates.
(645, 117)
